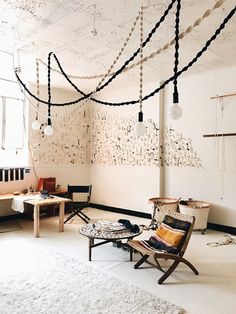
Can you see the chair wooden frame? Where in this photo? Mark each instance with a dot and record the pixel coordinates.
(177, 258)
(77, 207)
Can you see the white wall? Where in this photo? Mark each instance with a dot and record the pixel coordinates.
(127, 185)
(130, 185)
(215, 181)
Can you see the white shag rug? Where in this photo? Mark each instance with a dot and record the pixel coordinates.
(39, 281)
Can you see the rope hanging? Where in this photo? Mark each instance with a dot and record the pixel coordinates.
(116, 73)
(38, 91)
(184, 69)
(188, 30)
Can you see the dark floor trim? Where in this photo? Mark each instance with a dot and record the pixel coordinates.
(12, 217)
(122, 211)
(222, 228)
(217, 227)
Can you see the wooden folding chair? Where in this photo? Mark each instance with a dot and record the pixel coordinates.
(148, 249)
(76, 207)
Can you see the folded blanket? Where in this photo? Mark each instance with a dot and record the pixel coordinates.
(18, 201)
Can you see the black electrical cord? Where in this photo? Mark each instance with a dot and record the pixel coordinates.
(176, 95)
(184, 69)
(143, 45)
(132, 102)
(66, 76)
(157, 25)
(49, 88)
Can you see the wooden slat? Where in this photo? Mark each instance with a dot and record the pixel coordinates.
(223, 96)
(219, 135)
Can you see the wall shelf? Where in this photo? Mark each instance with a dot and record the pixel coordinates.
(223, 96)
(219, 135)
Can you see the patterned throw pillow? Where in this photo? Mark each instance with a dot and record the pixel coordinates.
(169, 235)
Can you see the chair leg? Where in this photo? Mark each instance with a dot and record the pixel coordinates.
(190, 265)
(82, 217)
(85, 215)
(158, 264)
(141, 261)
(69, 217)
(168, 272)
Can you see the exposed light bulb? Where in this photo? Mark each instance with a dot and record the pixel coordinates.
(36, 125)
(48, 130)
(176, 111)
(140, 128)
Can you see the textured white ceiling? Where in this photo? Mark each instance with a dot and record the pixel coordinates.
(36, 27)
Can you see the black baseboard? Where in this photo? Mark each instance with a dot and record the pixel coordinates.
(217, 227)
(222, 228)
(122, 211)
(12, 217)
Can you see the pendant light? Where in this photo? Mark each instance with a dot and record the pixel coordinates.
(175, 110)
(140, 127)
(49, 130)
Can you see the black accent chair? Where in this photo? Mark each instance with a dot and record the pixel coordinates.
(77, 206)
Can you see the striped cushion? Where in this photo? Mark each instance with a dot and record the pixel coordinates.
(169, 235)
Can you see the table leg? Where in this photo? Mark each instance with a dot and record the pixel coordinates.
(61, 216)
(36, 221)
(130, 253)
(91, 243)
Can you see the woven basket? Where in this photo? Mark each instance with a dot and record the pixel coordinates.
(163, 205)
(198, 209)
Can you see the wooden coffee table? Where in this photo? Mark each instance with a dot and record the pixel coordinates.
(92, 233)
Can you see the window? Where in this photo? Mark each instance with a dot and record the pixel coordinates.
(12, 111)
(13, 117)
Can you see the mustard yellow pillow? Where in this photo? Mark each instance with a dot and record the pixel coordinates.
(170, 236)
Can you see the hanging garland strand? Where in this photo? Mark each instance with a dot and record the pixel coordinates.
(188, 30)
(109, 73)
(116, 73)
(71, 83)
(181, 35)
(184, 69)
(110, 68)
(141, 63)
(38, 90)
(138, 50)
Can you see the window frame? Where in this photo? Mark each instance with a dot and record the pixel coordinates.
(4, 121)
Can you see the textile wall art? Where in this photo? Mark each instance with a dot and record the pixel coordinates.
(95, 136)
